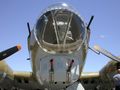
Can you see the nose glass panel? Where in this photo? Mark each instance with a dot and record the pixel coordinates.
(60, 28)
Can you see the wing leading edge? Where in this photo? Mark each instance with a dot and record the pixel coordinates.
(90, 80)
(10, 80)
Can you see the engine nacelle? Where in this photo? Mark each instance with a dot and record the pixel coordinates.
(107, 74)
(5, 71)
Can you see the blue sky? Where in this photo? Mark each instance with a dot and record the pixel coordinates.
(14, 14)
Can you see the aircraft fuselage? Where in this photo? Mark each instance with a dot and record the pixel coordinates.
(58, 45)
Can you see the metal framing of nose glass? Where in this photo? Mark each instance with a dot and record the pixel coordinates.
(56, 28)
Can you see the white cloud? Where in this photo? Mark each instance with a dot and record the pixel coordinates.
(102, 36)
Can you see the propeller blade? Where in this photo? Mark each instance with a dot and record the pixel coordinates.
(106, 53)
(6, 53)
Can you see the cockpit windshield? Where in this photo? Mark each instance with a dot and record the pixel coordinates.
(59, 30)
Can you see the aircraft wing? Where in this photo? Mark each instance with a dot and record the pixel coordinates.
(25, 80)
(10, 79)
(103, 80)
(90, 80)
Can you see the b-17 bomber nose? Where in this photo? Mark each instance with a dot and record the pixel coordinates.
(60, 29)
(58, 46)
